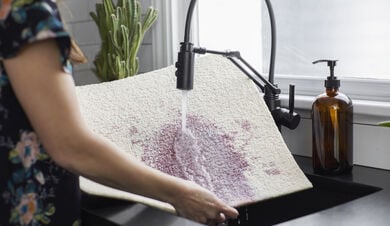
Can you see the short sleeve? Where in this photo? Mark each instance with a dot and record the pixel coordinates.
(28, 21)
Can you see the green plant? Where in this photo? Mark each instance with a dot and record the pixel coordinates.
(385, 123)
(122, 29)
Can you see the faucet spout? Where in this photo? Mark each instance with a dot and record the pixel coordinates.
(185, 67)
(185, 59)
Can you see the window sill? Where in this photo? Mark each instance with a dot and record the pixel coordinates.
(365, 111)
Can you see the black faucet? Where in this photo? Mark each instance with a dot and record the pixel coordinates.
(185, 60)
(185, 72)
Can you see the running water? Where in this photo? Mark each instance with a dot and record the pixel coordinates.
(188, 152)
(184, 110)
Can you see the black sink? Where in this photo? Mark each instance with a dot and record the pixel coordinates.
(326, 193)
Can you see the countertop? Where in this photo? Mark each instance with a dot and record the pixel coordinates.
(372, 209)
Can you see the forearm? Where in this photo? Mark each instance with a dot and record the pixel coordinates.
(100, 160)
(85, 153)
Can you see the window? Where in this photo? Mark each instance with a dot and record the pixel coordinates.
(232, 25)
(355, 32)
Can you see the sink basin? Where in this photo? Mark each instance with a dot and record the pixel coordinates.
(326, 193)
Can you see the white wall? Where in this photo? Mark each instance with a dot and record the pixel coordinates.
(85, 32)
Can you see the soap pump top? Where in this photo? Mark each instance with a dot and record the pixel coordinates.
(331, 82)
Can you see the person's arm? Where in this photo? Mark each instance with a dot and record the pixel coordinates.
(47, 95)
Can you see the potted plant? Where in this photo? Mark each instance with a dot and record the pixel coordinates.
(385, 123)
(122, 28)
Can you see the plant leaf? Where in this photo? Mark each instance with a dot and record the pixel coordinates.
(385, 124)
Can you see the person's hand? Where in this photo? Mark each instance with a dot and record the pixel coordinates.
(198, 204)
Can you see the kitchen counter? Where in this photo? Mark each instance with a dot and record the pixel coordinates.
(371, 209)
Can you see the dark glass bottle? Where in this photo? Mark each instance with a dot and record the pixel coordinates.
(332, 128)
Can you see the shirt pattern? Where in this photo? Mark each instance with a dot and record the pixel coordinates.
(34, 190)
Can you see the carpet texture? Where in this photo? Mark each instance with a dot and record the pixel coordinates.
(231, 145)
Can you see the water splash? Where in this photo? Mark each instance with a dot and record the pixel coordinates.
(190, 158)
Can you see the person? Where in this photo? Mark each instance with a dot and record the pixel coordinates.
(44, 142)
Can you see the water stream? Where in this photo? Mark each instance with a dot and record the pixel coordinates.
(184, 110)
(189, 152)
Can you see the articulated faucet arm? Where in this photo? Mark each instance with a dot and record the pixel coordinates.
(282, 116)
(236, 58)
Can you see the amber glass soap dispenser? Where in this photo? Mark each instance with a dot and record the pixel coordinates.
(332, 131)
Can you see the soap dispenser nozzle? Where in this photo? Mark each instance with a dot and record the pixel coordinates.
(331, 82)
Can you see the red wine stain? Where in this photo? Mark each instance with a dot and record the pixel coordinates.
(246, 125)
(271, 169)
(133, 131)
(210, 159)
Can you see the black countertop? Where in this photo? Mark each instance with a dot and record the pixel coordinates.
(372, 209)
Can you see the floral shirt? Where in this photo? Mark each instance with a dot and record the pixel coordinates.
(34, 190)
